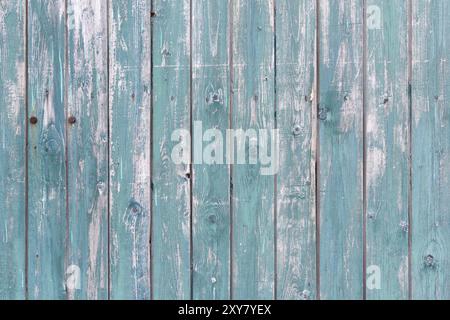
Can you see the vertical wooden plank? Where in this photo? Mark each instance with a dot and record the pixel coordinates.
(171, 182)
(87, 141)
(341, 149)
(253, 203)
(130, 131)
(387, 120)
(296, 228)
(430, 150)
(211, 180)
(12, 150)
(46, 145)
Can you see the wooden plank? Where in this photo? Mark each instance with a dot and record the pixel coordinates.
(211, 181)
(430, 150)
(46, 150)
(341, 149)
(171, 182)
(296, 227)
(253, 206)
(387, 175)
(130, 131)
(87, 141)
(12, 150)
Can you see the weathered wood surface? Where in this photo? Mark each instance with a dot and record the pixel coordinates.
(295, 86)
(253, 107)
(46, 92)
(387, 152)
(130, 148)
(341, 149)
(430, 150)
(171, 183)
(12, 150)
(87, 149)
(92, 205)
(211, 180)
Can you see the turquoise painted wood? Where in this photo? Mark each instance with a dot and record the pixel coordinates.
(253, 107)
(87, 146)
(430, 150)
(93, 205)
(341, 149)
(295, 94)
(12, 147)
(387, 149)
(130, 149)
(46, 92)
(211, 177)
(171, 227)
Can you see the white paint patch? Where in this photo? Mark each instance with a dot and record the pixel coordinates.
(376, 165)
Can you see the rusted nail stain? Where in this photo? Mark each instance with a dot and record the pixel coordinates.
(33, 120)
(72, 120)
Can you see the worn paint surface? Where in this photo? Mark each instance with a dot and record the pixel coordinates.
(430, 150)
(46, 145)
(340, 179)
(93, 207)
(211, 183)
(130, 162)
(295, 94)
(171, 183)
(87, 157)
(12, 150)
(387, 114)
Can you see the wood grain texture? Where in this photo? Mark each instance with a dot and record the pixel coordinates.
(12, 150)
(430, 150)
(341, 149)
(87, 141)
(130, 149)
(171, 182)
(296, 215)
(211, 181)
(93, 206)
(387, 134)
(253, 205)
(47, 227)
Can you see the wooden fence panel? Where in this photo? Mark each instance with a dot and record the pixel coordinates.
(211, 177)
(130, 148)
(12, 149)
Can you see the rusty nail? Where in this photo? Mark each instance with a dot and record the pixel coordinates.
(72, 120)
(33, 120)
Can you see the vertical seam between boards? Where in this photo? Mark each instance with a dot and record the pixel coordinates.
(191, 167)
(410, 147)
(66, 148)
(152, 293)
(317, 145)
(230, 124)
(108, 36)
(275, 187)
(364, 142)
(26, 154)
